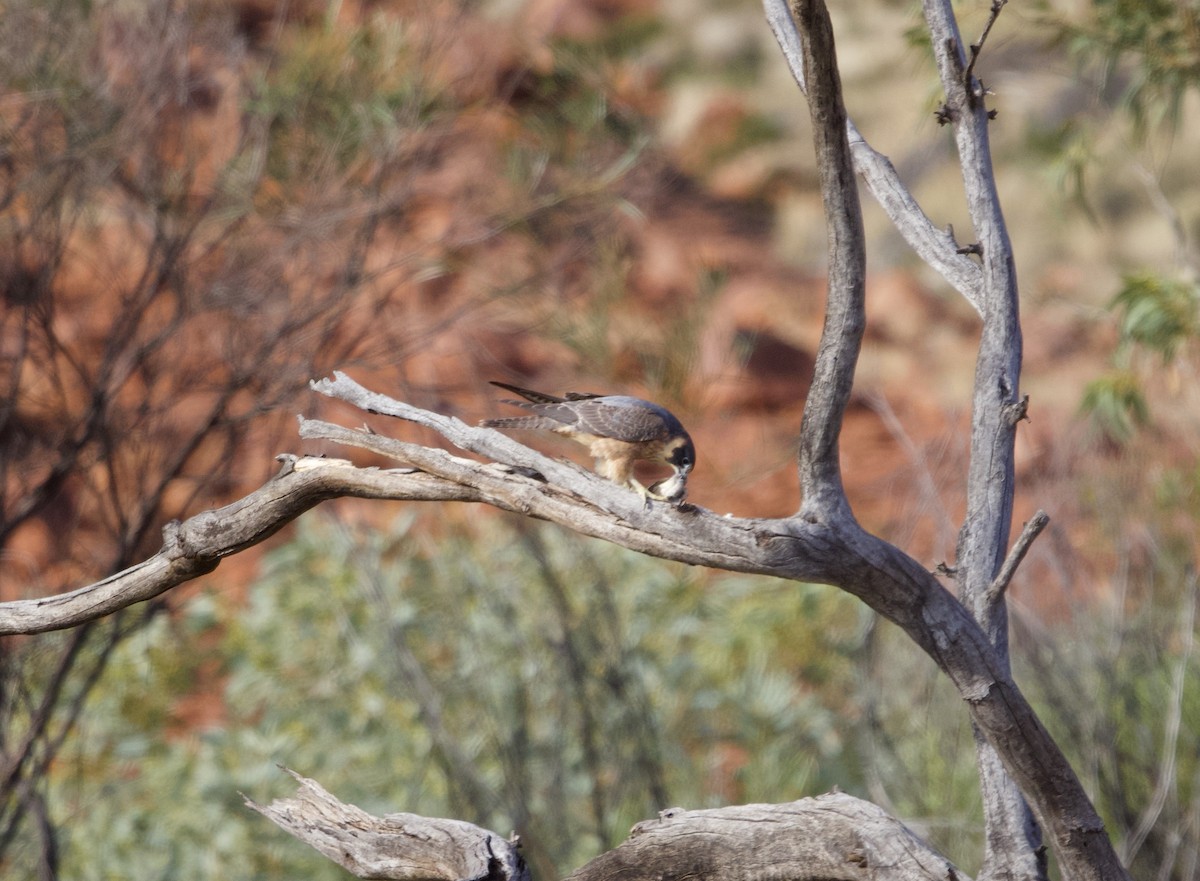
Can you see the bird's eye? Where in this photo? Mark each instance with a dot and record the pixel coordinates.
(683, 457)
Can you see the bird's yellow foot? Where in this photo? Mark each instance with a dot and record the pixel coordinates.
(646, 495)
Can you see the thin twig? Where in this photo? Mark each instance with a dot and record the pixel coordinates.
(1009, 568)
(1165, 783)
(1184, 254)
(977, 46)
(931, 244)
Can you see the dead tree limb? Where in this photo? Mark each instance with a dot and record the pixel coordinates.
(405, 847)
(833, 836)
(935, 246)
(845, 309)
(821, 544)
(833, 551)
(1013, 841)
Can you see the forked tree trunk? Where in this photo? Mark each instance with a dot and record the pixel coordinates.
(832, 837)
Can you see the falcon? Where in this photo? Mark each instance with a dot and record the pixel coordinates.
(618, 431)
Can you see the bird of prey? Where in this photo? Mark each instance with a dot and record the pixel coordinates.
(618, 430)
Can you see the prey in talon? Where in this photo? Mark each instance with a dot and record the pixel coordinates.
(618, 431)
(671, 489)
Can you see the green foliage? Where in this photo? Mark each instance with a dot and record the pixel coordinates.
(336, 95)
(1121, 692)
(916, 746)
(1116, 676)
(1138, 61)
(570, 108)
(1066, 152)
(1155, 315)
(1116, 405)
(1153, 46)
(1158, 314)
(523, 679)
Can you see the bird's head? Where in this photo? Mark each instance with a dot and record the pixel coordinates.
(680, 454)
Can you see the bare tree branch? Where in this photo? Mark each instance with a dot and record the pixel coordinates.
(836, 552)
(399, 846)
(977, 46)
(834, 836)
(1013, 841)
(845, 311)
(1024, 542)
(934, 246)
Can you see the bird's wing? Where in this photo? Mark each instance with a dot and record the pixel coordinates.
(628, 419)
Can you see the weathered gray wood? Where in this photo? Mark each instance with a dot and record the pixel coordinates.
(1012, 840)
(833, 836)
(834, 552)
(845, 309)
(937, 247)
(197, 545)
(403, 847)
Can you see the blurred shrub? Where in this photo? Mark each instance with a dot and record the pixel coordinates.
(916, 746)
(202, 206)
(530, 680)
(524, 679)
(1119, 688)
(1158, 317)
(1115, 405)
(1139, 59)
(1148, 49)
(339, 96)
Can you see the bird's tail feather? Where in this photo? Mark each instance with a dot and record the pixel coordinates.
(532, 422)
(527, 394)
(542, 397)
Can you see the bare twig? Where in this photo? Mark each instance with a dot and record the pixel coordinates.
(1166, 781)
(836, 551)
(935, 246)
(977, 46)
(1008, 569)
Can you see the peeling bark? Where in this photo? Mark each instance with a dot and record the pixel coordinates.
(821, 544)
(836, 552)
(404, 847)
(831, 837)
